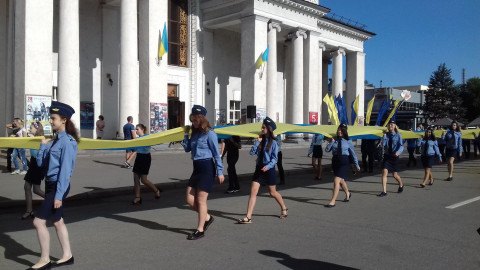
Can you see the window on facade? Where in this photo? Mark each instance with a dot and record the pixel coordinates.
(177, 32)
(234, 112)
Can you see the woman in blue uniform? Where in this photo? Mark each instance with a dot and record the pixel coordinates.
(203, 144)
(393, 146)
(316, 152)
(453, 139)
(141, 167)
(266, 149)
(34, 175)
(343, 152)
(429, 148)
(58, 158)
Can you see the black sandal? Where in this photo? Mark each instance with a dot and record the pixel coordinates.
(135, 202)
(243, 221)
(157, 196)
(27, 215)
(282, 216)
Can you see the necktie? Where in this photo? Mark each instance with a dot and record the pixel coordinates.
(425, 148)
(339, 147)
(261, 154)
(390, 144)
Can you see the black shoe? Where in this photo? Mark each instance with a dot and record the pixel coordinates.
(230, 191)
(195, 235)
(329, 205)
(67, 262)
(383, 194)
(45, 267)
(349, 196)
(207, 223)
(449, 178)
(400, 189)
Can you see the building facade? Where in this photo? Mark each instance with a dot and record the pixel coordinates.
(101, 57)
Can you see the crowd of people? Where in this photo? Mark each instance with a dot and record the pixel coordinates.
(55, 160)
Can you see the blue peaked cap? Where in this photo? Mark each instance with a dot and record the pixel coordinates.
(197, 109)
(269, 122)
(61, 108)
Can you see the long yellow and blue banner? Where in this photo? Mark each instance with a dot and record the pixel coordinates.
(246, 130)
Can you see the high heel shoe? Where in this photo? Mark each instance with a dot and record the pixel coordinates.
(27, 215)
(135, 202)
(157, 192)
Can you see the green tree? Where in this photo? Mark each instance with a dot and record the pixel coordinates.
(472, 98)
(442, 98)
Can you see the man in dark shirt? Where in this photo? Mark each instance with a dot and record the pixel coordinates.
(129, 134)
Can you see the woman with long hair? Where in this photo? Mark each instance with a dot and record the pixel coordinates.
(343, 152)
(203, 144)
(429, 149)
(141, 167)
(58, 158)
(266, 149)
(34, 175)
(393, 146)
(453, 139)
(316, 152)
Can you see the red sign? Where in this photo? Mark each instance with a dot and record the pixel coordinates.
(313, 118)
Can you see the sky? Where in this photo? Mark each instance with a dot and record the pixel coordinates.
(414, 37)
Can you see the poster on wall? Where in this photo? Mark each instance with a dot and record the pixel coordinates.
(37, 109)
(87, 115)
(220, 117)
(313, 118)
(260, 115)
(158, 117)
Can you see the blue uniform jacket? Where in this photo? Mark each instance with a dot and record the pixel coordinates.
(204, 146)
(397, 145)
(432, 148)
(453, 140)
(270, 157)
(317, 139)
(411, 143)
(347, 149)
(59, 158)
(143, 150)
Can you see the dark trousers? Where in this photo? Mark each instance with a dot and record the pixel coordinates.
(370, 156)
(466, 148)
(9, 159)
(280, 168)
(232, 172)
(475, 148)
(441, 147)
(411, 157)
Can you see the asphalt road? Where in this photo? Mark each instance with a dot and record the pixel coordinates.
(412, 230)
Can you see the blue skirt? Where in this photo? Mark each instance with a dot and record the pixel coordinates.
(427, 161)
(317, 151)
(340, 165)
(390, 162)
(46, 210)
(268, 178)
(34, 174)
(203, 175)
(450, 153)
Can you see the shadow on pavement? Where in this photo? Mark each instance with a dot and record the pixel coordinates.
(292, 263)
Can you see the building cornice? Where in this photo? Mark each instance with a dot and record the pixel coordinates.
(303, 7)
(340, 28)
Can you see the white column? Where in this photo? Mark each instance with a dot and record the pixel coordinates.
(129, 89)
(356, 83)
(311, 71)
(297, 78)
(69, 57)
(321, 79)
(337, 73)
(272, 90)
(153, 74)
(254, 43)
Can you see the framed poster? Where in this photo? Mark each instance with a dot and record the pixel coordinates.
(220, 117)
(37, 108)
(261, 115)
(87, 115)
(158, 117)
(313, 118)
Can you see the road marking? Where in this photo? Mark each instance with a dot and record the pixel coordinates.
(453, 206)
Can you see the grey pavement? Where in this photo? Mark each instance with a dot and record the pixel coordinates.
(412, 230)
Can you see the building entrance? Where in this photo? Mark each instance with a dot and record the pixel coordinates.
(176, 108)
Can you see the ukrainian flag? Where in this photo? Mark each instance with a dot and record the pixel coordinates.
(163, 44)
(369, 110)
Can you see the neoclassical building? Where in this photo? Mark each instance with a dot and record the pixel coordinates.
(101, 57)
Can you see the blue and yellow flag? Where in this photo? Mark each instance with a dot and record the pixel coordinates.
(163, 44)
(265, 55)
(369, 110)
(354, 114)
(394, 110)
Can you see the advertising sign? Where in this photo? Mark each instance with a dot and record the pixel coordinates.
(313, 118)
(87, 115)
(37, 109)
(158, 117)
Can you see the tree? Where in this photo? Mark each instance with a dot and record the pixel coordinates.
(472, 98)
(442, 98)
